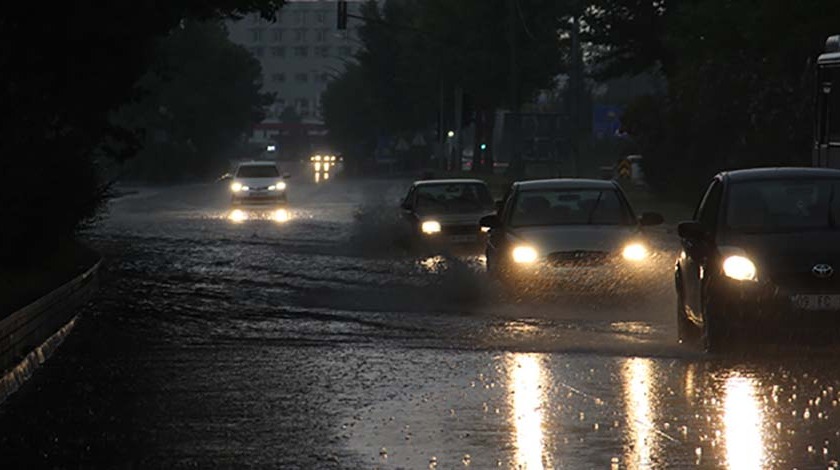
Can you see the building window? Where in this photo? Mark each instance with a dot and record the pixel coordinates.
(345, 51)
(277, 35)
(300, 18)
(301, 51)
(278, 77)
(320, 36)
(300, 35)
(302, 77)
(322, 51)
(278, 51)
(256, 35)
(257, 51)
(321, 17)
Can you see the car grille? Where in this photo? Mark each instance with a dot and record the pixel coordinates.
(801, 281)
(578, 258)
(459, 229)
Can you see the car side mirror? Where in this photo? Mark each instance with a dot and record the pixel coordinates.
(490, 221)
(286, 176)
(651, 218)
(225, 177)
(406, 205)
(692, 231)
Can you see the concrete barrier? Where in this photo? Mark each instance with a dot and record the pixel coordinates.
(30, 335)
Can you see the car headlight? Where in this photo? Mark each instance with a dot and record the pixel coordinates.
(281, 186)
(739, 268)
(236, 187)
(524, 254)
(430, 227)
(635, 252)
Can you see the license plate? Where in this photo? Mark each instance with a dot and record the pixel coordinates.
(462, 238)
(816, 302)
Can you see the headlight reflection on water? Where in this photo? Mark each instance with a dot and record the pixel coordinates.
(527, 385)
(743, 421)
(239, 216)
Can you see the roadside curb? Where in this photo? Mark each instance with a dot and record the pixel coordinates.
(29, 336)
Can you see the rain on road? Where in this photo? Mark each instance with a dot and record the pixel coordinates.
(315, 341)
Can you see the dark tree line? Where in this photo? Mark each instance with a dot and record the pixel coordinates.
(739, 74)
(64, 69)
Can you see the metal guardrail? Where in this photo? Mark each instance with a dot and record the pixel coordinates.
(30, 335)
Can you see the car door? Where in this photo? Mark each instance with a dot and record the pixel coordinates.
(498, 236)
(698, 252)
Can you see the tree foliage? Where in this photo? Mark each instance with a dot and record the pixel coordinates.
(417, 52)
(201, 95)
(740, 79)
(63, 71)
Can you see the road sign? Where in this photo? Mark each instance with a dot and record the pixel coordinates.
(624, 169)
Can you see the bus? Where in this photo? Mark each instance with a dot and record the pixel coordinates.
(827, 123)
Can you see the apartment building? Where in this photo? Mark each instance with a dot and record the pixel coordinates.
(300, 52)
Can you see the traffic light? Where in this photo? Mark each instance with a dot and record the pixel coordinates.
(341, 22)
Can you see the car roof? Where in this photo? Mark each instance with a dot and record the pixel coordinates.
(449, 181)
(565, 183)
(257, 163)
(777, 173)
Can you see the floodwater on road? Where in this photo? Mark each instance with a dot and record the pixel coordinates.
(312, 338)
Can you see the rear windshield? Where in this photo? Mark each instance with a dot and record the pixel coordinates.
(455, 197)
(783, 205)
(257, 171)
(570, 207)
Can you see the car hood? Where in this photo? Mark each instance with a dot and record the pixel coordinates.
(258, 182)
(789, 252)
(576, 238)
(458, 218)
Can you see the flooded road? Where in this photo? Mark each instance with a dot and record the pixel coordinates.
(313, 339)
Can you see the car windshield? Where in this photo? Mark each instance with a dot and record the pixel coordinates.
(257, 171)
(453, 198)
(783, 205)
(570, 207)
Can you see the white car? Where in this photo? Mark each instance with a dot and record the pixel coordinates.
(257, 183)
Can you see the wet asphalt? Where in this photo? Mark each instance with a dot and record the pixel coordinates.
(315, 339)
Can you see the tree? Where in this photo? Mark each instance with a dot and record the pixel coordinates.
(740, 81)
(62, 73)
(417, 51)
(201, 95)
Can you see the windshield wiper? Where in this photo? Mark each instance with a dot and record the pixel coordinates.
(594, 208)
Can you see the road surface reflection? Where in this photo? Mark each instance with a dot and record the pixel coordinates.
(527, 383)
(743, 422)
(638, 374)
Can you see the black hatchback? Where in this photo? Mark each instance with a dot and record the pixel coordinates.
(761, 256)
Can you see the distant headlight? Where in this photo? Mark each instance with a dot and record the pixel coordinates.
(430, 227)
(739, 268)
(524, 254)
(236, 187)
(485, 229)
(635, 252)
